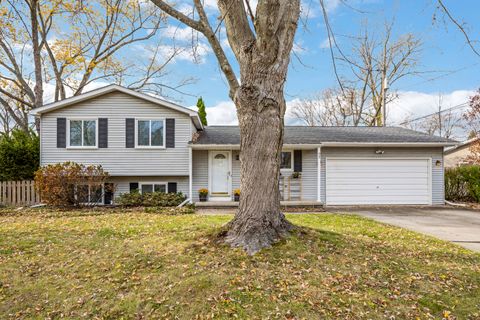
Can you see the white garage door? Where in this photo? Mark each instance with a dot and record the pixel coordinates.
(378, 181)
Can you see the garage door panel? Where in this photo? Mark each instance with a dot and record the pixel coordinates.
(378, 181)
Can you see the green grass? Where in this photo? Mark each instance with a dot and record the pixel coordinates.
(140, 265)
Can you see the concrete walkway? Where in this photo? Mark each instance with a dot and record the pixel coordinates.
(460, 226)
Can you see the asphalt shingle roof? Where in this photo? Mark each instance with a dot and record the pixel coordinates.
(225, 135)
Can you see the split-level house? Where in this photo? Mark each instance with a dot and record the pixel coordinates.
(150, 144)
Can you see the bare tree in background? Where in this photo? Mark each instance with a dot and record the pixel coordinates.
(443, 123)
(332, 107)
(378, 61)
(261, 42)
(375, 61)
(72, 44)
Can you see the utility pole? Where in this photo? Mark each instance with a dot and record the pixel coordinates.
(384, 102)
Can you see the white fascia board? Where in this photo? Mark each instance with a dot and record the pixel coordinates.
(329, 144)
(388, 144)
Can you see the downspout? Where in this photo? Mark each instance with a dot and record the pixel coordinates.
(190, 171)
(319, 167)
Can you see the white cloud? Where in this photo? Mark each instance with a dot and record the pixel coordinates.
(417, 104)
(179, 33)
(223, 113)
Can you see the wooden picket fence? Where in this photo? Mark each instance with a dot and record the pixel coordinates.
(18, 193)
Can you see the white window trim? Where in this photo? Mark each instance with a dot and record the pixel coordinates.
(82, 147)
(291, 162)
(140, 184)
(150, 146)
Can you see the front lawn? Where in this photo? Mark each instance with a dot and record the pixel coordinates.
(144, 265)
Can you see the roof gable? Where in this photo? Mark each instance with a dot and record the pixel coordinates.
(116, 88)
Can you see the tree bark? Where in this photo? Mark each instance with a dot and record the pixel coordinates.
(259, 221)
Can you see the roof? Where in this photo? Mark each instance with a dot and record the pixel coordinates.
(112, 88)
(461, 145)
(230, 135)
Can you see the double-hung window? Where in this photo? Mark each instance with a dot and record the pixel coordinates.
(151, 133)
(286, 160)
(150, 187)
(82, 133)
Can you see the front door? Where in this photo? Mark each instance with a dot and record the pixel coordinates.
(220, 172)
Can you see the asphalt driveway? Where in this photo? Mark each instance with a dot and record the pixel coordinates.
(460, 226)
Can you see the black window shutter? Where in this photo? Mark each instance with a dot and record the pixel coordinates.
(108, 193)
(103, 133)
(172, 187)
(130, 133)
(61, 132)
(297, 160)
(133, 186)
(170, 132)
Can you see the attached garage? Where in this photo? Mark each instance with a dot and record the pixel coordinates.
(373, 181)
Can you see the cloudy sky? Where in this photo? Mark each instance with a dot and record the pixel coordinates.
(448, 67)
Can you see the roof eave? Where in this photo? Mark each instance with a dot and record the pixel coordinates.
(329, 144)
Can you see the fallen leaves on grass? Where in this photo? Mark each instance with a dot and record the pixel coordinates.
(132, 264)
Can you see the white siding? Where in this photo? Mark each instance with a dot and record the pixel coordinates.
(199, 172)
(309, 175)
(116, 159)
(435, 153)
(235, 171)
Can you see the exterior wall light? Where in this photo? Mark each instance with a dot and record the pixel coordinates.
(438, 163)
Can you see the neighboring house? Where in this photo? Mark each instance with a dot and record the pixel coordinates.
(150, 144)
(457, 155)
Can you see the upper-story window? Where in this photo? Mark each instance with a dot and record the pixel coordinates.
(151, 133)
(82, 133)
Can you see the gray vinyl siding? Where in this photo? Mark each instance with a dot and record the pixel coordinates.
(235, 171)
(117, 159)
(122, 184)
(309, 175)
(435, 153)
(199, 172)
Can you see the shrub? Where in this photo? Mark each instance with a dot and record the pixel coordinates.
(19, 155)
(70, 184)
(154, 199)
(463, 184)
(130, 199)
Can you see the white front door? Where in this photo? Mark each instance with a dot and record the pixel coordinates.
(220, 172)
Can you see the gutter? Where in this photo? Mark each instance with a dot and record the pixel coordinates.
(329, 144)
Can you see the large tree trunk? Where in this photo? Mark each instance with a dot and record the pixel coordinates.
(260, 104)
(263, 55)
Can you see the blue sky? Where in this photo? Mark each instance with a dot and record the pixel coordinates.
(454, 66)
